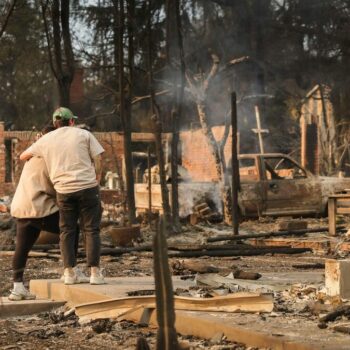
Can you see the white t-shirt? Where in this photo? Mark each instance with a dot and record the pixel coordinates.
(35, 196)
(68, 153)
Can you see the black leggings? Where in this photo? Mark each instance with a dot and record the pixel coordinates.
(28, 231)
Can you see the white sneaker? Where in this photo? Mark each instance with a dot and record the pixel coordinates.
(70, 276)
(97, 276)
(22, 294)
(74, 276)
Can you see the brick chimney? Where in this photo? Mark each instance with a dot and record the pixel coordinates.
(77, 87)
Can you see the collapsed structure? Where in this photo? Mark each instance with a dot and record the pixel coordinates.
(195, 157)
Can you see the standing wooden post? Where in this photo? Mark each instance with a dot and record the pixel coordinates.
(259, 131)
(235, 166)
(166, 335)
(332, 216)
(174, 171)
(149, 185)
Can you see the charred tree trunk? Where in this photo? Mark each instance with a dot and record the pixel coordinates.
(125, 104)
(170, 52)
(227, 198)
(201, 109)
(161, 163)
(124, 101)
(199, 94)
(174, 50)
(157, 129)
(61, 61)
(220, 165)
(68, 73)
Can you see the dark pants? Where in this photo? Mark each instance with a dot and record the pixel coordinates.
(86, 205)
(27, 233)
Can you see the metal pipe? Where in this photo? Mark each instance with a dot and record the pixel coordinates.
(235, 167)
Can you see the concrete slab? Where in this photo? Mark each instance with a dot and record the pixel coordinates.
(10, 308)
(117, 287)
(269, 282)
(286, 279)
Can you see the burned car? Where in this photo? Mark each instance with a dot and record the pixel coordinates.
(271, 184)
(275, 184)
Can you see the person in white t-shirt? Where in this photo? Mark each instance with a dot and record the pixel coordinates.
(35, 209)
(72, 157)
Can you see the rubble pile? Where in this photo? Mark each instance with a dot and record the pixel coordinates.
(202, 212)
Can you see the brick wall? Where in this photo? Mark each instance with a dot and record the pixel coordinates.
(112, 158)
(196, 154)
(111, 142)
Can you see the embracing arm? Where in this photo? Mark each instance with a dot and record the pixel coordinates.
(25, 155)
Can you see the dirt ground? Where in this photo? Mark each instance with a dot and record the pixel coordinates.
(54, 331)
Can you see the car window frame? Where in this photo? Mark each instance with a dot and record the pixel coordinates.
(263, 168)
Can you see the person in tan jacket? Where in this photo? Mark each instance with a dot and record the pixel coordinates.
(34, 206)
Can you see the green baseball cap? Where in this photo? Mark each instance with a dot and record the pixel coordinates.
(63, 113)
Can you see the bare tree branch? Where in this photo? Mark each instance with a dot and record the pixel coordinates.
(103, 115)
(7, 17)
(142, 98)
(108, 88)
(213, 71)
(191, 85)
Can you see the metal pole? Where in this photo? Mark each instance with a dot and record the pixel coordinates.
(235, 166)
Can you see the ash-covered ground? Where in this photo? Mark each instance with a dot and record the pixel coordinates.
(55, 331)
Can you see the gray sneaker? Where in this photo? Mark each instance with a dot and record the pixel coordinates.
(77, 277)
(81, 277)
